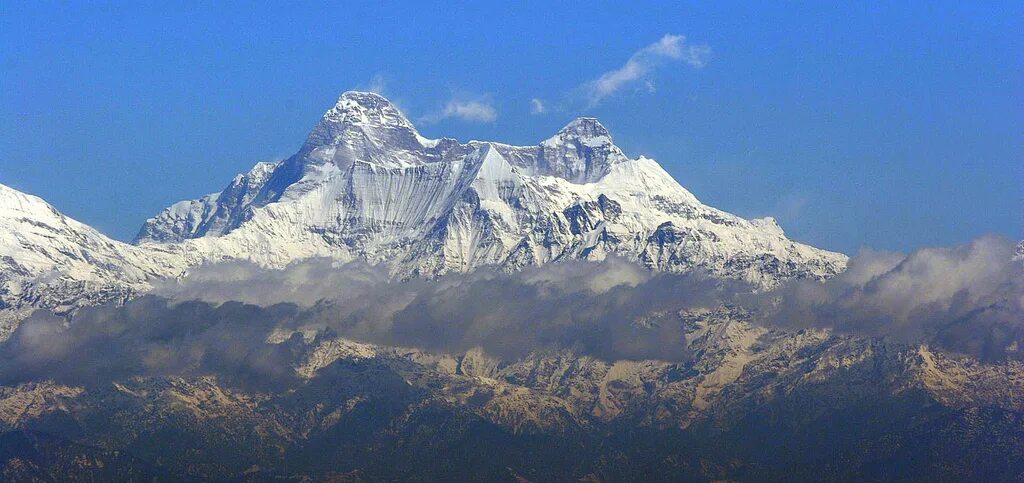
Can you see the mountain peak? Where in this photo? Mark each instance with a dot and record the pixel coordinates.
(585, 127)
(367, 186)
(581, 152)
(14, 202)
(361, 126)
(363, 96)
(365, 108)
(582, 132)
(363, 99)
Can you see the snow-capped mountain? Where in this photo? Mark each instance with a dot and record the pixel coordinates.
(253, 393)
(50, 260)
(366, 185)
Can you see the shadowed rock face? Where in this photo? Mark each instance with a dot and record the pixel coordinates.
(581, 152)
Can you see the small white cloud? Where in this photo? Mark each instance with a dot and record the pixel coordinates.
(478, 110)
(642, 62)
(474, 111)
(536, 106)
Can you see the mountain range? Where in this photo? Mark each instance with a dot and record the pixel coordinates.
(119, 384)
(367, 186)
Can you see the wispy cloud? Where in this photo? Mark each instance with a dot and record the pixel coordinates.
(789, 209)
(668, 49)
(468, 110)
(536, 106)
(377, 85)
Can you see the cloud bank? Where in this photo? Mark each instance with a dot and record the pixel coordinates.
(967, 299)
(589, 307)
(151, 336)
(613, 310)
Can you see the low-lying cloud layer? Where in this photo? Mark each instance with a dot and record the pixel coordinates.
(150, 336)
(967, 299)
(598, 309)
(590, 307)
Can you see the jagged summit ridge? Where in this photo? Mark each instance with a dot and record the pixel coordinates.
(365, 108)
(583, 130)
(365, 127)
(366, 185)
(214, 213)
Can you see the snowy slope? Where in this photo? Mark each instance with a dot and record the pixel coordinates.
(367, 185)
(50, 260)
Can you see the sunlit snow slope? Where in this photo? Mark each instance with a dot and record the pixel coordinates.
(367, 185)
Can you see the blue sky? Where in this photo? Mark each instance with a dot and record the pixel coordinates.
(887, 127)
